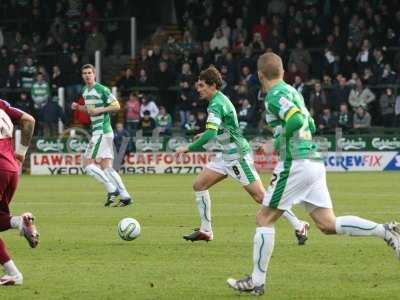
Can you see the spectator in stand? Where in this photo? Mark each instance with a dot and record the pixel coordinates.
(397, 111)
(299, 84)
(75, 38)
(73, 79)
(219, 41)
(199, 65)
(185, 102)
(245, 115)
(340, 92)
(239, 30)
(148, 105)
(191, 126)
(120, 134)
(361, 119)
(95, 41)
(5, 60)
(388, 76)
(364, 56)
(368, 77)
(164, 122)
(301, 57)
(360, 95)
(126, 82)
(24, 103)
(344, 118)
(147, 124)
(49, 116)
(292, 73)
(387, 102)
(186, 74)
(206, 32)
(12, 80)
(143, 80)
(27, 72)
(132, 113)
(318, 100)
(327, 122)
(248, 77)
(57, 79)
(262, 29)
(257, 44)
(40, 92)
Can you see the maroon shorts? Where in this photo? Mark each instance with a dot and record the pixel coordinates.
(8, 185)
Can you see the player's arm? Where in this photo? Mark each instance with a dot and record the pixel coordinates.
(27, 124)
(213, 122)
(112, 107)
(293, 123)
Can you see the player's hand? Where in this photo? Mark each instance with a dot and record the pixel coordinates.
(74, 106)
(94, 111)
(197, 136)
(182, 149)
(20, 158)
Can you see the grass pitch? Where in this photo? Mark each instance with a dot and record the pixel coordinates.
(81, 256)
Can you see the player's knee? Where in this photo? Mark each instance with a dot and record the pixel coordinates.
(258, 197)
(327, 227)
(198, 186)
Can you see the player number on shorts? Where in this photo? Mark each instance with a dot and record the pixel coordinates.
(236, 170)
(273, 179)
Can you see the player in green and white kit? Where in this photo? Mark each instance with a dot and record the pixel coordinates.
(99, 103)
(299, 177)
(236, 159)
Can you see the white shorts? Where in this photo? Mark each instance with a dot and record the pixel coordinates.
(100, 146)
(299, 181)
(242, 170)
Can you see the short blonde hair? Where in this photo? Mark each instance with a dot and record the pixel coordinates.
(88, 66)
(270, 65)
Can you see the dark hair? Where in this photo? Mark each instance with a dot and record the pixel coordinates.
(146, 113)
(88, 66)
(211, 76)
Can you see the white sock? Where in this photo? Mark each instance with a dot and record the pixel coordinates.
(114, 177)
(355, 226)
(11, 268)
(264, 240)
(204, 205)
(99, 175)
(293, 220)
(16, 222)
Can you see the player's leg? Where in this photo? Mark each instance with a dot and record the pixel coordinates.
(13, 275)
(328, 223)
(206, 179)
(94, 171)
(263, 246)
(244, 171)
(300, 227)
(23, 223)
(319, 205)
(106, 153)
(115, 178)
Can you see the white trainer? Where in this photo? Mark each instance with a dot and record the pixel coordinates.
(12, 279)
(392, 236)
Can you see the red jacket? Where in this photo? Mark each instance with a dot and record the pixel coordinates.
(80, 116)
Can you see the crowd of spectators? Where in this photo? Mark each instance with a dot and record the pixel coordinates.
(343, 56)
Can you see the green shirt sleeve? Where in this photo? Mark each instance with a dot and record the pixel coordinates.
(204, 138)
(280, 106)
(107, 96)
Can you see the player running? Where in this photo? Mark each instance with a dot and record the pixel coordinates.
(99, 103)
(236, 160)
(300, 178)
(10, 163)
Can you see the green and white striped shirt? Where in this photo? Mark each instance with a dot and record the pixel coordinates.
(99, 96)
(222, 117)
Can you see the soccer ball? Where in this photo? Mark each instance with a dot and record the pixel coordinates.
(128, 229)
